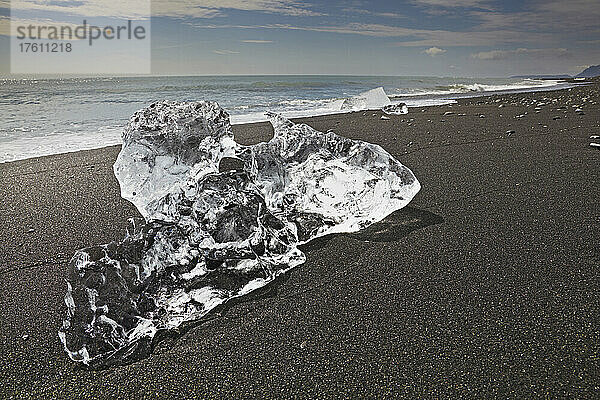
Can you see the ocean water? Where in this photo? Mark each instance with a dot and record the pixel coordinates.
(48, 116)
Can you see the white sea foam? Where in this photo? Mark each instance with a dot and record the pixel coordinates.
(299, 108)
(23, 147)
(32, 127)
(479, 88)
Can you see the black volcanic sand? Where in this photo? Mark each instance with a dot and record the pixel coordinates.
(487, 285)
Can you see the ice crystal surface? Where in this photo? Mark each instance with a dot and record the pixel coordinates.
(209, 236)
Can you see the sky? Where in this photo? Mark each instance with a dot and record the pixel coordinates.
(381, 37)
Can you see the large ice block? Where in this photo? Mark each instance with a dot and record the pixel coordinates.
(209, 236)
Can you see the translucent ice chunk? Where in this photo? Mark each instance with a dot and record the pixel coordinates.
(369, 100)
(166, 143)
(209, 236)
(325, 183)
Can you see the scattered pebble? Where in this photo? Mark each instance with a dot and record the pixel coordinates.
(384, 117)
(25, 337)
(481, 116)
(510, 132)
(31, 230)
(448, 113)
(555, 117)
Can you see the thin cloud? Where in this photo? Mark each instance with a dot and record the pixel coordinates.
(552, 16)
(225, 52)
(521, 52)
(287, 7)
(353, 10)
(132, 9)
(484, 4)
(434, 51)
(451, 7)
(8, 26)
(257, 41)
(140, 9)
(175, 46)
(412, 37)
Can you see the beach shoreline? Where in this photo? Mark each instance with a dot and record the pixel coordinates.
(93, 113)
(483, 286)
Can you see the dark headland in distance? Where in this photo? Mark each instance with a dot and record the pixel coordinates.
(590, 72)
(486, 285)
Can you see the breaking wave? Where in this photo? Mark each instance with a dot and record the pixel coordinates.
(460, 88)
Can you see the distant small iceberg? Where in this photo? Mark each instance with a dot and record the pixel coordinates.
(372, 100)
(369, 100)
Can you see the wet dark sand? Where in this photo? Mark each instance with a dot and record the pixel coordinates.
(487, 285)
